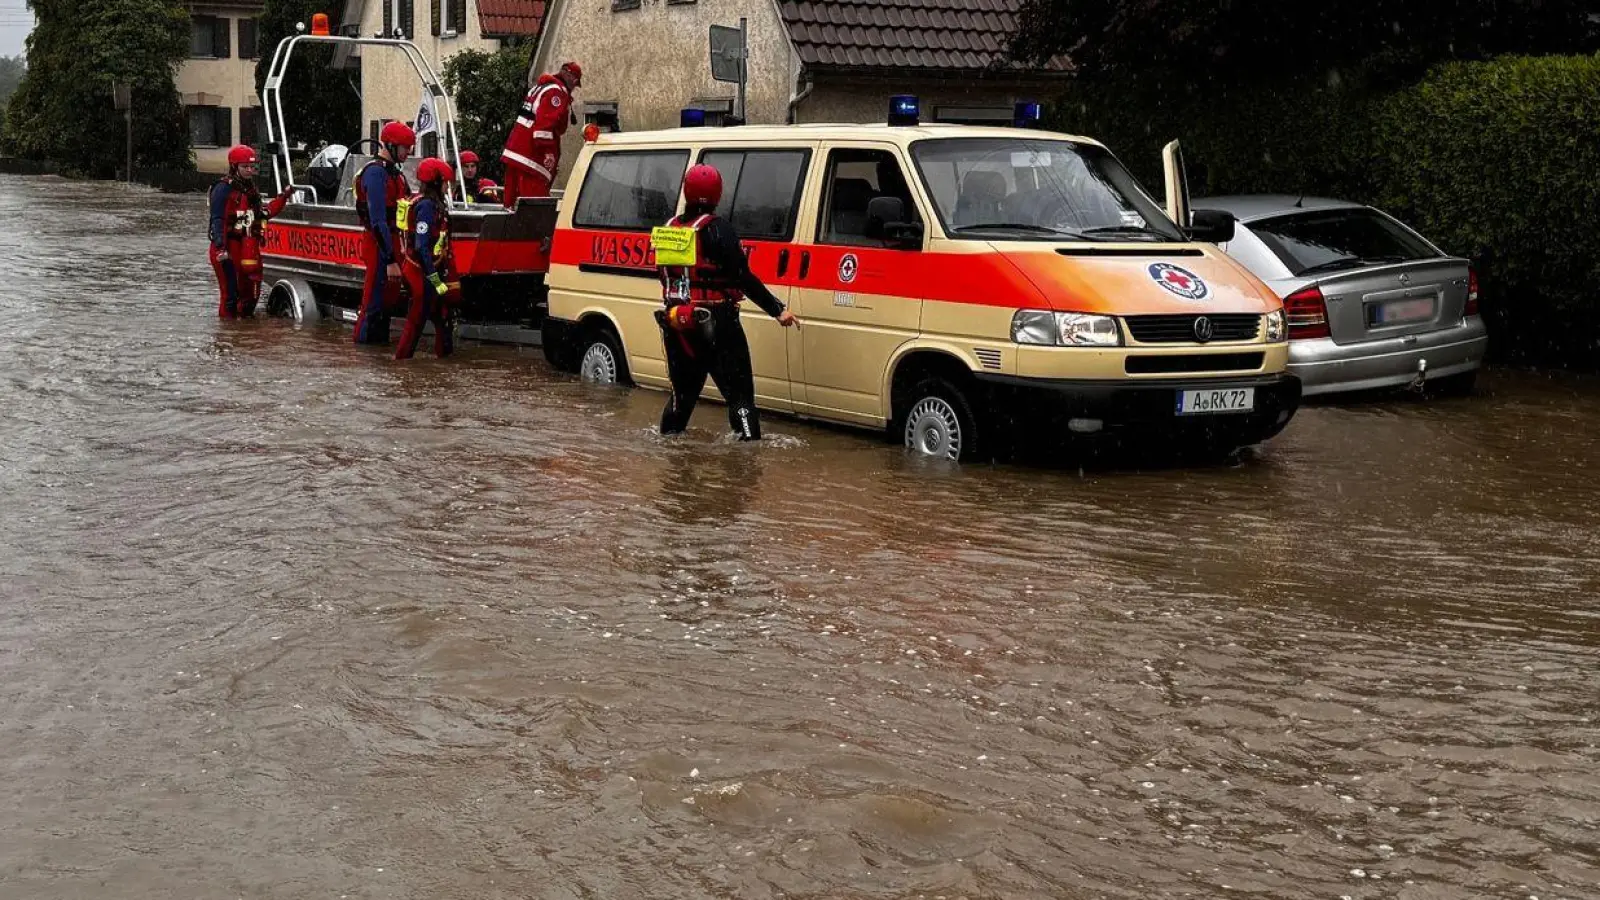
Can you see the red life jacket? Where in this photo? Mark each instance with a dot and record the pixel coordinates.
(242, 214)
(397, 189)
(704, 283)
(440, 235)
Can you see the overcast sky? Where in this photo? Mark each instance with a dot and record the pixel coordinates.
(16, 20)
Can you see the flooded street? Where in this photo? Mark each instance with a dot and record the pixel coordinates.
(281, 618)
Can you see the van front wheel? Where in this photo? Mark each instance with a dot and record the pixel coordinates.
(939, 421)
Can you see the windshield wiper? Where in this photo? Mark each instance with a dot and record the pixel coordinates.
(1129, 229)
(1016, 226)
(1349, 262)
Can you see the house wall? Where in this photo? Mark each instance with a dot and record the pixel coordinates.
(653, 61)
(229, 83)
(390, 88)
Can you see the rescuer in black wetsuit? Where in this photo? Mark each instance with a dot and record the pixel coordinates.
(700, 321)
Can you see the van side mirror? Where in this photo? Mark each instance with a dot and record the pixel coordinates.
(1213, 226)
(886, 222)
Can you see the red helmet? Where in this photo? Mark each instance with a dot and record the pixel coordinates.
(575, 70)
(702, 186)
(398, 134)
(241, 155)
(468, 157)
(433, 169)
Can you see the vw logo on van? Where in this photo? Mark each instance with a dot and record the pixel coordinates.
(1179, 280)
(848, 267)
(1203, 329)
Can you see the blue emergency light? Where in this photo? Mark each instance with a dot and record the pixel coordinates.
(1027, 114)
(904, 109)
(692, 118)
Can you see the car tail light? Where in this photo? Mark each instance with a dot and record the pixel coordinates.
(1307, 314)
(1471, 308)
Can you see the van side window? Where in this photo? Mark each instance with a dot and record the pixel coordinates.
(630, 190)
(760, 190)
(855, 178)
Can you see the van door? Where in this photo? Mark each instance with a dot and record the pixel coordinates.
(853, 312)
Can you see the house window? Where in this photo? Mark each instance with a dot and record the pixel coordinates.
(252, 126)
(761, 190)
(248, 39)
(621, 5)
(855, 179)
(974, 115)
(210, 126)
(399, 15)
(604, 115)
(449, 17)
(630, 190)
(208, 37)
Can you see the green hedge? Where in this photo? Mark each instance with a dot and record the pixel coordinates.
(1497, 161)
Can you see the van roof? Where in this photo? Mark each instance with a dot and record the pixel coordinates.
(899, 134)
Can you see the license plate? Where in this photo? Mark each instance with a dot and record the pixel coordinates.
(1224, 400)
(1398, 311)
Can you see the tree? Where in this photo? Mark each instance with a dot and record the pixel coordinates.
(12, 68)
(321, 103)
(1271, 39)
(487, 90)
(63, 109)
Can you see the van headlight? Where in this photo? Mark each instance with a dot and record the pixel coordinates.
(1277, 326)
(1064, 329)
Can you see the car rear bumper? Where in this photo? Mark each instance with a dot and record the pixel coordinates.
(1144, 408)
(1328, 368)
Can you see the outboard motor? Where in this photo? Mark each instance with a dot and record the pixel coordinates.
(326, 172)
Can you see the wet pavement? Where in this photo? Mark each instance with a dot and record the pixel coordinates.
(281, 618)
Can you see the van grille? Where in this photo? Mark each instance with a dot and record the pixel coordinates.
(1179, 329)
(1210, 362)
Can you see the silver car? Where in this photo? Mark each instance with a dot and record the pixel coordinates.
(1371, 304)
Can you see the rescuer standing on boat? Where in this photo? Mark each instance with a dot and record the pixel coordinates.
(532, 155)
(704, 275)
(479, 190)
(235, 232)
(379, 189)
(425, 221)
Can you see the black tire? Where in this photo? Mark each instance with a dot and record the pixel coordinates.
(601, 361)
(937, 419)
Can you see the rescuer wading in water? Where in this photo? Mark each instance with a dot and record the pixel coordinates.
(704, 275)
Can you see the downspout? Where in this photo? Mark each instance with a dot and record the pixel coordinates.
(800, 95)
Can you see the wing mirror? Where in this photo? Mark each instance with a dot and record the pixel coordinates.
(1213, 226)
(886, 221)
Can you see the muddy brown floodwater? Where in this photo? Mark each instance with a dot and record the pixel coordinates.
(280, 618)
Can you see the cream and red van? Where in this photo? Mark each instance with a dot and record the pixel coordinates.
(957, 286)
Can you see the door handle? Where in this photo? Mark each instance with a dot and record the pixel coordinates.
(805, 263)
(783, 262)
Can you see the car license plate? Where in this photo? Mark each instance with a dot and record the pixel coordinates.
(1224, 400)
(1397, 311)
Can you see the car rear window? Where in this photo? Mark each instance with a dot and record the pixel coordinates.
(1338, 238)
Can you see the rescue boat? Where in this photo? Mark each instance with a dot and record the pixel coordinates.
(311, 255)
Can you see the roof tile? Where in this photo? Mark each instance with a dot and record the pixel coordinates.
(934, 35)
(511, 18)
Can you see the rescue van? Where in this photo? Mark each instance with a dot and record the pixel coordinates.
(959, 287)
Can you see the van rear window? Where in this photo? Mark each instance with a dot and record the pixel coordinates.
(630, 190)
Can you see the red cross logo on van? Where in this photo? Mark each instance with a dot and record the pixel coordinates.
(848, 267)
(1179, 280)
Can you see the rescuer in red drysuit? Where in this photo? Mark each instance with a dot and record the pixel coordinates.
(426, 225)
(700, 319)
(379, 189)
(479, 190)
(532, 155)
(235, 232)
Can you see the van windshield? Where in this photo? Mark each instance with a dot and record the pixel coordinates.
(1043, 190)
